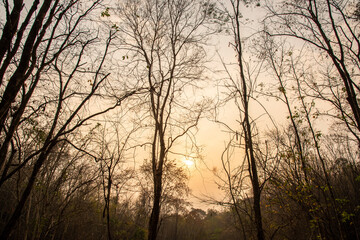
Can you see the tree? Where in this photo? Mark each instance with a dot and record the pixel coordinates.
(111, 156)
(163, 40)
(304, 161)
(330, 29)
(174, 193)
(53, 77)
(240, 90)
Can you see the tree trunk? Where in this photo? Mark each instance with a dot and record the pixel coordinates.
(155, 213)
(18, 210)
(249, 148)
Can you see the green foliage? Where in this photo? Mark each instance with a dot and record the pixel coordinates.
(105, 13)
(346, 217)
(282, 90)
(140, 234)
(357, 178)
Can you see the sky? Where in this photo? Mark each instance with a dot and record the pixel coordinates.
(213, 136)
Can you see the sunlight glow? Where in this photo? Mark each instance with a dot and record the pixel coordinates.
(188, 161)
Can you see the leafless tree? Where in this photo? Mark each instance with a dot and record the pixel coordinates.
(302, 145)
(330, 29)
(163, 39)
(241, 89)
(53, 78)
(111, 155)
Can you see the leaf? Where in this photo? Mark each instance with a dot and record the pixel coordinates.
(105, 13)
(357, 179)
(282, 89)
(114, 26)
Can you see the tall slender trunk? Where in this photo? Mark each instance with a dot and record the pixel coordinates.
(19, 76)
(155, 213)
(108, 205)
(18, 210)
(9, 29)
(249, 148)
(176, 222)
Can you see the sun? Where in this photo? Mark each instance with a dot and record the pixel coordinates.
(188, 161)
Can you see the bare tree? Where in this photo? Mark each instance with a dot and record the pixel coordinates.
(111, 153)
(299, 88)
(330, 28)
(241, 90)
(53, 78)
(163, 39)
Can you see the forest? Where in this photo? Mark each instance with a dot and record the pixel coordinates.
(103, 105)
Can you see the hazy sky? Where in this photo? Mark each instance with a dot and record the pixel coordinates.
(212, 136)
